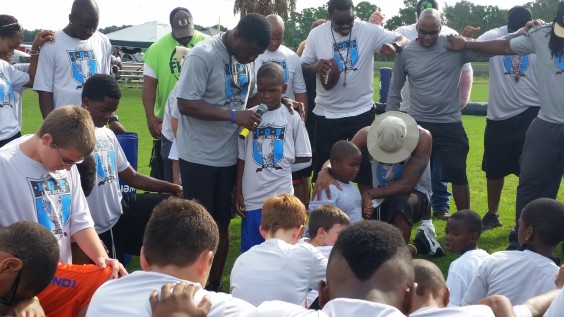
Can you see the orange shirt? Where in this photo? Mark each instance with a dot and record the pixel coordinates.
(72, 288)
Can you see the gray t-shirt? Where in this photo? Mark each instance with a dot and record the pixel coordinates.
(211, 79)
(513, 86)
(383, 174)
(410, 33)
(434, 80)
(550, 69)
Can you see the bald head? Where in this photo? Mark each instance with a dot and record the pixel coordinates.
(431, 15)
(84, 7)
(428, 27)
(275, 21)
(277, 30)
(83, 20)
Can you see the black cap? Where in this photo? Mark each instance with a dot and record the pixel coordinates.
(517, 17)
(426, 4)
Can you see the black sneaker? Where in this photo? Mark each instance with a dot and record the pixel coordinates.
(426, 243)
(491, 221)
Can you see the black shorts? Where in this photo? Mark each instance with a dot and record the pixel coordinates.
(451, 142)
(503, 144)
(10, 139)
(413, 207)
(126, 236)
(297, 176)
(329, 131)
(212, 187)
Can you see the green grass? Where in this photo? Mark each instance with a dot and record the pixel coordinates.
(132, 115)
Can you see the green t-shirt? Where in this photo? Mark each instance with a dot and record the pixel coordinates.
(160, 56)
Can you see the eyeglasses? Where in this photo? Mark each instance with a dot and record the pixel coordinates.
(428, 32)
(343, 22)
(10, 299)
(64, 161)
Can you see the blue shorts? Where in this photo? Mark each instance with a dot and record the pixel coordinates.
(250, 233)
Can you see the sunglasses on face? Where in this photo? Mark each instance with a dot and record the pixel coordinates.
(344, 22)
(428, 32)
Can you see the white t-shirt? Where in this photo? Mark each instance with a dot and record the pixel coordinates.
(348, 200)
(516, 275)
(337, 307)
(357, 49)
(556, 307)
(326, 251)
(171, 111)
(276, 270)
(66, 64)
(173, 154)
(461, 272)
(105, 199)
(129, 296)
(269, 152)
(290, 62)
(466, 311)
(513, 85)
(410, 33)
(12, 81)
(52, 199)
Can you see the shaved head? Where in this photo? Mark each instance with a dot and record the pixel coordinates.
(428, 27)
(275, 21)
(84, 7)
(431, 15)
(277, 30)
(83, 20)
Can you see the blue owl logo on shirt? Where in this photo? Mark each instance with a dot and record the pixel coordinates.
(83, 65)
(346, 54)
(6, 92)
(515, 65)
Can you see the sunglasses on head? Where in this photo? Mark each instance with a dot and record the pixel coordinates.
(343, 22)
(14, 25)
(428, 32)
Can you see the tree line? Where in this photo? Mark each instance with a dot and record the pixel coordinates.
(457, 16)
(298, 24)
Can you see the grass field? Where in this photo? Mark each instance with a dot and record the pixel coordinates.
(133, 117)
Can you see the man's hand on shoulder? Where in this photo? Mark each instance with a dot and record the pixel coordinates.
(118, 270)
(456, 43)
(178, 301)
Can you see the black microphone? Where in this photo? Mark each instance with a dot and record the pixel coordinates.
(260, 111)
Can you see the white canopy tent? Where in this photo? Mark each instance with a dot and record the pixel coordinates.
(141, 36)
